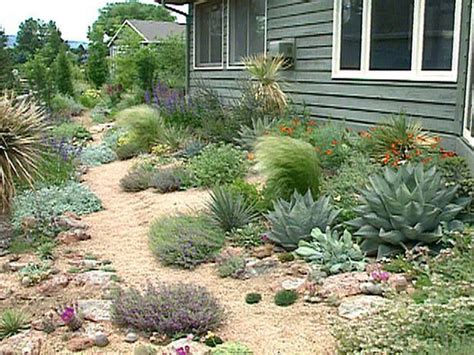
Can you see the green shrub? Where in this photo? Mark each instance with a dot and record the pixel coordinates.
(129, 150)
(249, 236)
(289, 165)
(285, 298)
(286, 257)
(12, 321)
(231, 348)
(345, 185)
(217, 164)
(90, 98)
(137, 179)
(230, 211)
(251, 194)
(35, 272)
(253, 298)
(332, 252)
(185, 241)
(55, 200)
(231, 267)
(72, 132)
(404, 208)
(45, 251)
(293, 221)
(65, 107)
(56, 169)
(168, 180)
(97, 155)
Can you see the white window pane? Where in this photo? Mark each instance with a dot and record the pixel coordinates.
(391, 34)
(438, 35)
(246, 28)
(209, 33)
(351, 34)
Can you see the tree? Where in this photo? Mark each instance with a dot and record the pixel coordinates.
(6, 66)
(54, 43)
(30, 39)
(97, 68)
(40, 78)
(171, 59)
(113, 15)
(63, 74)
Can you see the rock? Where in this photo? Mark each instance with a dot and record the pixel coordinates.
(26, 281)
(160, 339)
(293, 284)
(358, 306)
(94, 278)
(70, 221)
(299, 269)
(72, 237)
(258, 267)
(262, 252)
(90, 263)
(312, 299)
(398, 282)
(5, 293)
(80, 344)
(131, 337)
(229, 252)
(16, 266)
(195, 348)
(28, 223)
(101, 340)
(343, 285)
(14, 257)
(55, 284)
(95, 310)
(370, 288)
(24, 343)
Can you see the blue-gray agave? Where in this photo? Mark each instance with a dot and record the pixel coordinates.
(405, 207)
(293, 221)
(334, 253)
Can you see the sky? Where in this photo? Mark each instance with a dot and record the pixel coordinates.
(71, 16)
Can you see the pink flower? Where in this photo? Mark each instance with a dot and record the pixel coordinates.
(380, 276)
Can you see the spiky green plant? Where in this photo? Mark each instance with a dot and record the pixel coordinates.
(403, 208)
(266, 74)
(248, 135)
(12, 322)
(21, 130)
(288, 164)
(293, 220)
(334, 253)
(230, 210)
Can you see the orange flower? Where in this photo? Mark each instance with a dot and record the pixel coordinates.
(311, 123)
(417, 152)
(365, 134)
(386, 158)
(309, 130)
(328, 152)
(334, 143)
(250, 156)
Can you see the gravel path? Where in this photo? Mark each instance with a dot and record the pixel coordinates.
(119, 234)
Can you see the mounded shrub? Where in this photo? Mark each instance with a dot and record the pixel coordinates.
(168, 179)
(185, 241)
(285, 298)
(253, 298)
(97, 155)
(137, 179)
(174, 310)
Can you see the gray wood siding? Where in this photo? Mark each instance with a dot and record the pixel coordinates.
(358, 102)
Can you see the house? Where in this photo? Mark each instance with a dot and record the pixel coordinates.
(151, 32)
(353, 60)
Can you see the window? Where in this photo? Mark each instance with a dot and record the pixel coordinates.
(247, 27)
(396, 39)
(208, 34)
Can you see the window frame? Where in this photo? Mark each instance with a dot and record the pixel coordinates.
(416, 73)
(240, 65)
(207, 66)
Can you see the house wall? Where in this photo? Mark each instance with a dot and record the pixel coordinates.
(439, 105)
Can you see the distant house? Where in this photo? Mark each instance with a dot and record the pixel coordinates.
(152, 32)
(356, 61)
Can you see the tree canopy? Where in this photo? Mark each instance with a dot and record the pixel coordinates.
(5, 63)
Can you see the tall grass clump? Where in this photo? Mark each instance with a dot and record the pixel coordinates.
(289, 164)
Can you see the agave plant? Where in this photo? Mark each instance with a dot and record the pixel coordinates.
(288, 164)
(265, 72)
(21, 131)
(248, 135)
(293, 221)
(230, 210)
(334, 253)
(403, 208)
(12, 321)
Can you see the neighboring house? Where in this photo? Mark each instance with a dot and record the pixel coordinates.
(353, 60)
(151, 32)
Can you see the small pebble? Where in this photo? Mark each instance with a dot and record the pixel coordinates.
(100, 339)
(131, 337)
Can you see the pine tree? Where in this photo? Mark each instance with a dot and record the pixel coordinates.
(62, 74)
(97, 68)
(5, 63)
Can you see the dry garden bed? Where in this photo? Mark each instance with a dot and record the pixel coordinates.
(190, 227)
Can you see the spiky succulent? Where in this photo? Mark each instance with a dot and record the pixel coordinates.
(293, 221)
(21, 131)
(405, 207)
(334, 253)
(248, 135)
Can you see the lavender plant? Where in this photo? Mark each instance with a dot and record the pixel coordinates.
(174, 310)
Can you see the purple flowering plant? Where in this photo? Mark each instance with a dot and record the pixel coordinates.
(380, 276)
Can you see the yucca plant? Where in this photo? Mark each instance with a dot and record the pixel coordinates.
(288, 164)
(403, 208)
(265, 72)
(399, 140)
(21, 131)
(334, 253)
(293, 220)
(248, 135)
(12, 322)
(230, 210)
